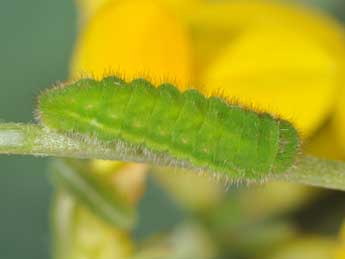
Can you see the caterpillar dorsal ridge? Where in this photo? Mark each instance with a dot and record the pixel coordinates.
(207, 133)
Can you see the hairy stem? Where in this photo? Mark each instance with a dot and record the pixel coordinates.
(31, 139)
(318, 172)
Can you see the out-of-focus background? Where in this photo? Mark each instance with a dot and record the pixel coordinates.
(36, 42)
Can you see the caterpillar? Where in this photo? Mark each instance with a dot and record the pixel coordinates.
(207, 132)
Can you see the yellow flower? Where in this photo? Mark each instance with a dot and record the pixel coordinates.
(127, 178)
(340, 251)
(133, 39)
(306, 247)
(231, 18)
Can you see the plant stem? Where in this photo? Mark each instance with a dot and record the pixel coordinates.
(317, 172)
(31, 139)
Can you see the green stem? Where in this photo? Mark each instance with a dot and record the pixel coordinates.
(31, 139)
(317, 172)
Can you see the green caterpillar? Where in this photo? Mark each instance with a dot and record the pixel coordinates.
(206, 133)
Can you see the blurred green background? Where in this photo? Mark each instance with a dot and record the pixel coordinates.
(36, 42)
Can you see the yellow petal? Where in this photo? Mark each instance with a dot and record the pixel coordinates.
(95, 239)
(192, 191)
(105, 167)
(316, 247)
(128, 179)
(229, 18)
(340, 251)
(136, 38)
(280, 71)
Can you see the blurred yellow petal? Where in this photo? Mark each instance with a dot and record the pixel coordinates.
(133, 39)
(280, 71)
(340, 251)
(128, 179)
(96, 239)
(192, 191)
(217, 22)
(105, 167)
(306, 248)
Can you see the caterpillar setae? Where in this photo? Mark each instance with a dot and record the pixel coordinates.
(206, 132)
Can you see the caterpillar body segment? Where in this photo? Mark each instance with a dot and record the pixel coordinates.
(207, 132)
